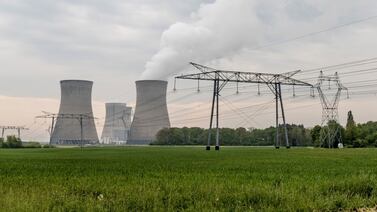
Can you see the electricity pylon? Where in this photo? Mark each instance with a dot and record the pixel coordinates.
(330, 116)
(18, 128)
(221, 77)
(80, 117)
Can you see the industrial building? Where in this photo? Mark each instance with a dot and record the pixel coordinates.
(75, 123)
(117, 123)
(151, 112)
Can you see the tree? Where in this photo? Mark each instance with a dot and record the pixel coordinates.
(297, 135)
(2, 144)
(371, 139)
(241, 134)
(367, 132)
(162, 136)
(315, 133)
(351, 130)
(13, 142)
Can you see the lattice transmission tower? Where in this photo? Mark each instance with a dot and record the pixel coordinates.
(79, 117)
(221, 78)
(330, 101)
(18, 128)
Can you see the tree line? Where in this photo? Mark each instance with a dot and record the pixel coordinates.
(12, 141)
(353, 135)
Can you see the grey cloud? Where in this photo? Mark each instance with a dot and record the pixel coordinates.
(223, 28)
(110, 42)
(84, 39)
(301, 10)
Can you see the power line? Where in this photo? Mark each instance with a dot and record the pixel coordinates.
(277, 43)
(342, 65)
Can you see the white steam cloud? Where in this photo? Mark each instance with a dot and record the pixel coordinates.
(215, 31)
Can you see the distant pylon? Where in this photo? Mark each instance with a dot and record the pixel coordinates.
(330, 116)
(18, 128)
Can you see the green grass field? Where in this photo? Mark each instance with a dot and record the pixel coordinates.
(187, 178)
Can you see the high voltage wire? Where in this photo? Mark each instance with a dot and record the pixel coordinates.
(232, 101)
(185, 111)
(276, 43)
(180, 99)
(196, 118)
(327, 68)
(226, 116)
(259, 110)
(288, 108)
(34, 134)
(226, 113)
(341, 65)
(178, 113)
(332, 67)
(238, 108)
(338, 66)
(298, 90)
(156, 99)
(237, 111)
(361, 81)
(191, 118)
(203, 89)
(349, 73)
(366, 92)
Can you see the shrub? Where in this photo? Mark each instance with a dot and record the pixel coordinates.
(360, 143)
(13, 142)
(32, 144)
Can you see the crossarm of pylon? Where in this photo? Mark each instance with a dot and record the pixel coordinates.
(244, 77)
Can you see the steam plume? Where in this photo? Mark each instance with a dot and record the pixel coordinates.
(215, 31)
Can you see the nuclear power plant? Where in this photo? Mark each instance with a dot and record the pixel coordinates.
(75, 123)
(117, 123)
(151, 112)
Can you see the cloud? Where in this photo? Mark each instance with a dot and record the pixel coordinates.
(215, 31)
(113, 42)
(93, 40)
(224, 29)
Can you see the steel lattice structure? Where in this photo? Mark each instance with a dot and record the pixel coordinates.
(18, 128)
(55, 116)
(273, 81)
(211, 74)
(330, 114)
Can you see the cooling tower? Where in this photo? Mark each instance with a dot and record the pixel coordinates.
(151, 112)
(117, 123)
(76, 101)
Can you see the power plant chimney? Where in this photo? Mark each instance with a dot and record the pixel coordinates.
(117, 123)
(75, 123)
(151, 112)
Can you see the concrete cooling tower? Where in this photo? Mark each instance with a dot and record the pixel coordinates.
(76, 101)
(151, 112)
(117, 123)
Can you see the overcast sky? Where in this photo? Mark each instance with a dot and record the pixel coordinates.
(116, 42)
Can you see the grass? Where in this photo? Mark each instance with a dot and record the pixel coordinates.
(177, 178)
